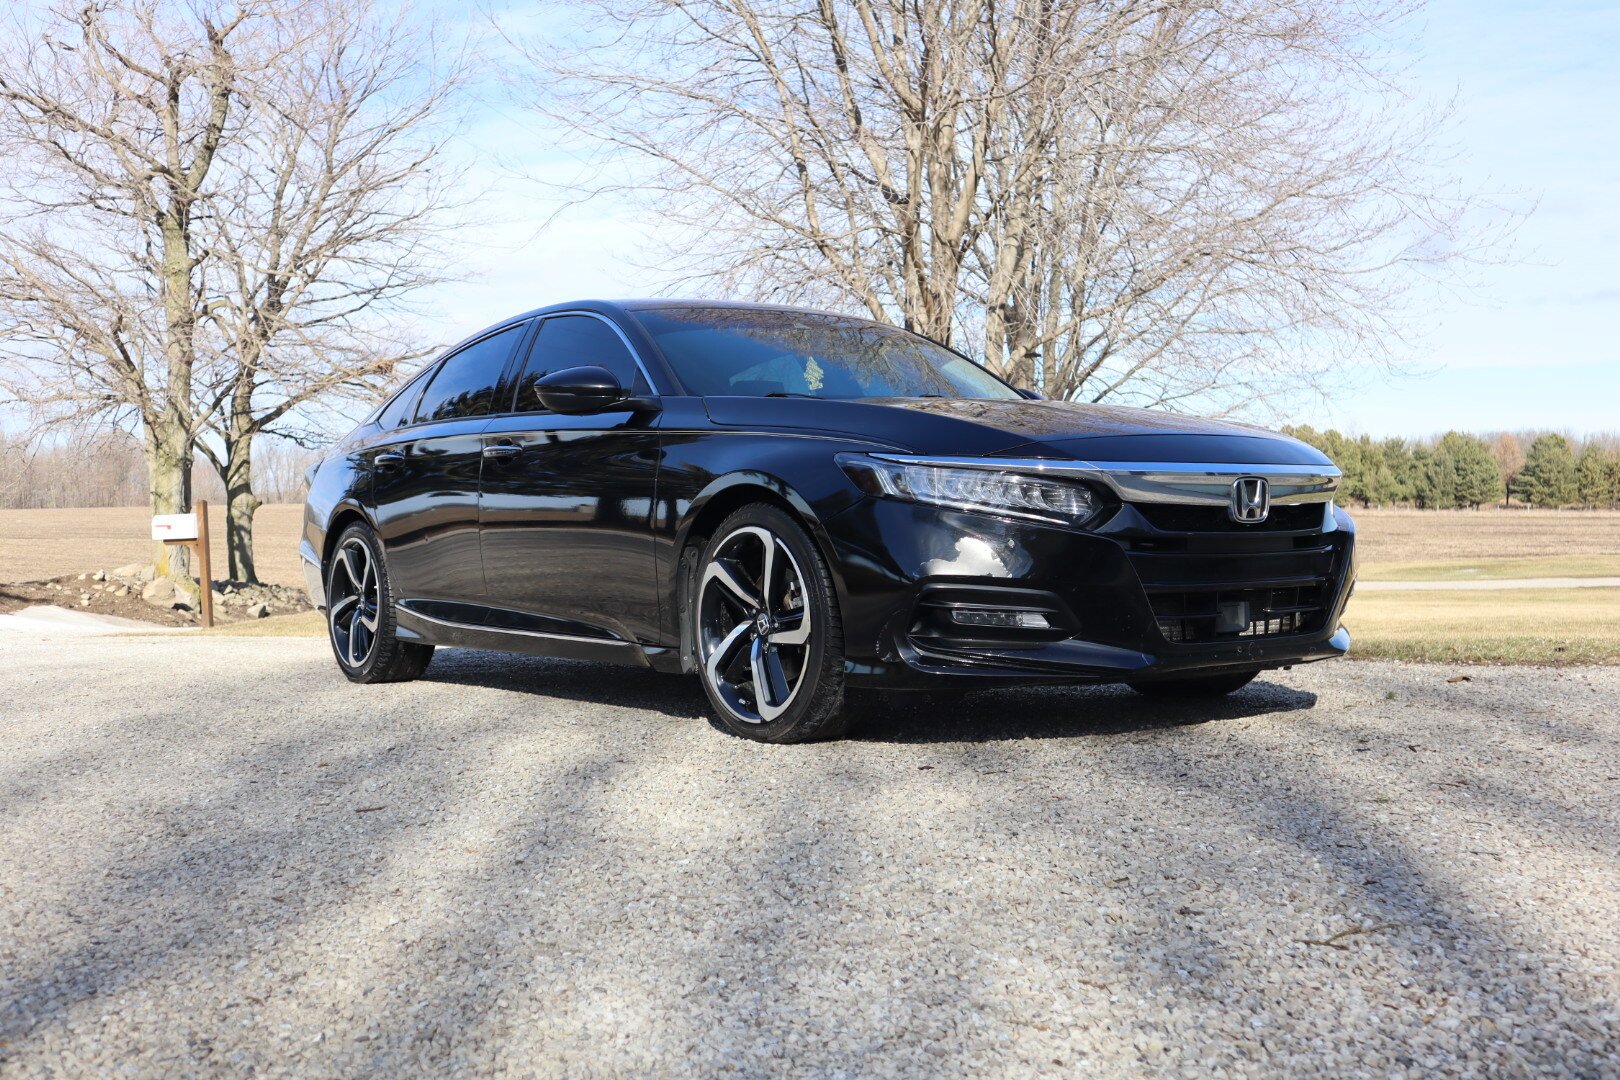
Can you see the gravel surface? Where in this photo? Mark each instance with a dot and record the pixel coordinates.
(217, 857)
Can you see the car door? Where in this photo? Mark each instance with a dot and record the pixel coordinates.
(566, 502)
(425, 476)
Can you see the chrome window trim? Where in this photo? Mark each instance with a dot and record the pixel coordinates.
(1182, 483)
(641, 365)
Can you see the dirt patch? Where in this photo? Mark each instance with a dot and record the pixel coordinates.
(125, 595)
(39, 544)
(1425, 536)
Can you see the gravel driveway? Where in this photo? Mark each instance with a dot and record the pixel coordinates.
(218, 857)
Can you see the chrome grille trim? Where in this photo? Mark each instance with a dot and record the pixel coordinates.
(1186, 483)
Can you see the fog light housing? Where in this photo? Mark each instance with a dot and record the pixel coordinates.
(1001, 620)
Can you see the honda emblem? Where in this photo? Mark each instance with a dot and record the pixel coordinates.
(1251, 500)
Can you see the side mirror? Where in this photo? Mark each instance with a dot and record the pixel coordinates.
(575, 391)
(1030, 395)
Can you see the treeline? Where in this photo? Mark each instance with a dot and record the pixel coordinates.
(1457, 470)
(109, 469)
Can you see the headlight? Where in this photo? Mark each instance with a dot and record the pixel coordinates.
(993, 491)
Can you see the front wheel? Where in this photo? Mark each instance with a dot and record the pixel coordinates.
(1203, 686)
(360, 614)
(770, 646)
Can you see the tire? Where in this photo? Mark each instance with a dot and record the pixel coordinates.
(1204, 686)
(368, 650)
(745, 633)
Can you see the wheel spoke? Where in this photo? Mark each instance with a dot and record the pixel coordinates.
(343, 605)
(357, 576)
(354, 640)
(724, 651)
(767, 577)
(771, 690)
(739, 589)
(368, 620)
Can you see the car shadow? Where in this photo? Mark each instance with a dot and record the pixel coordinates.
(1036, 712)
(1061, 712)
(571, 680)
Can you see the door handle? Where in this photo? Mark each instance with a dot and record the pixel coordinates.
(389, 461)
(502, 450)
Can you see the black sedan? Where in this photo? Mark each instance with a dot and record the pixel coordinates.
(797, 507)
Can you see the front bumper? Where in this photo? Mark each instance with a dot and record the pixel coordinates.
(1125, 596)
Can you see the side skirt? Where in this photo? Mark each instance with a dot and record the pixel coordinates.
(455, 633)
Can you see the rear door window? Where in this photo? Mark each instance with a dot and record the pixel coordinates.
(570, 341)
(398, 412)
(466, 382)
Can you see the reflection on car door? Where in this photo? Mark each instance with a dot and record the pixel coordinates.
(566, 501)
(425, 478)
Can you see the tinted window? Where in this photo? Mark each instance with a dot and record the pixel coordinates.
(465, 384)
(399, 411)
(569, 341)
(756, 353)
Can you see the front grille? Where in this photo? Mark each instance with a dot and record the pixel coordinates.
(1209, 579)
(1227, 614)
(1301, 517)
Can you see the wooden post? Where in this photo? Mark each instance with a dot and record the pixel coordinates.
(204, 576)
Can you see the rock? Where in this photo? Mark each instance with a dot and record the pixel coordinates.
(99, 575)
(258, 611)
(133, 570)
(148, 573)
(161, 592)
(123, 591)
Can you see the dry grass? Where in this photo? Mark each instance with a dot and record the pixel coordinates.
(1430, 536)
(38, 544)
(1548, 566)
(303, 624)
(1520, 626)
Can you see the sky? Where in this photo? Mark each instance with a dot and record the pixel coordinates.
(1531, 342)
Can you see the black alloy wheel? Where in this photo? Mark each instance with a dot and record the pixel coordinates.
(360, 614)
(768, 636)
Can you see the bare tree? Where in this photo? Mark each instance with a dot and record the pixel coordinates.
(110, 122)
(332, 208)
(215, 213)
(1182, 203)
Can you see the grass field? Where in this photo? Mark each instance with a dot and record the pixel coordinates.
(1532, 566)
(1518, 626)
(1539, 626)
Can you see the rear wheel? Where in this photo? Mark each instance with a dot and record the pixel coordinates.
(770, 647)
(1203, 686)
(360, 614)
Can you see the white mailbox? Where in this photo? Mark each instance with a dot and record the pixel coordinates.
(174, 527)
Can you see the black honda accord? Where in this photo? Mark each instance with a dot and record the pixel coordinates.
(799, 507)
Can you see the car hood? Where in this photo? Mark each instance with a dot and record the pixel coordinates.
(1062, 429)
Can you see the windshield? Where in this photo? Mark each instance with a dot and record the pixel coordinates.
(762, 353)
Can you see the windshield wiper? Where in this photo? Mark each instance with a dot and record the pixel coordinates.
(791, 393)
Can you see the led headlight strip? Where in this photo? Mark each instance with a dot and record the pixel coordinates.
(993, 491)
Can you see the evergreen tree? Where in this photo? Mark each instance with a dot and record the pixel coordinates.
(1421, 478)
(1471, 475)
(1592, 476)
(1548, 476)
(1402, 468)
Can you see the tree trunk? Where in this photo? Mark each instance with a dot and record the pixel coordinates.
(241, 504)
(168, 471)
